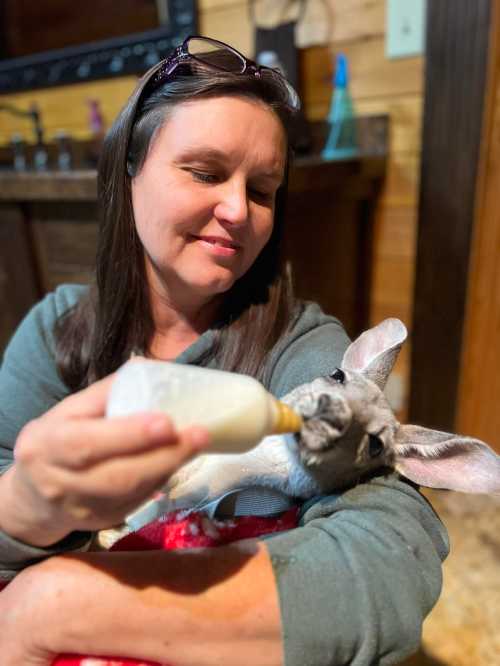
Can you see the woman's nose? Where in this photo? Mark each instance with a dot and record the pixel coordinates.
(232, 207)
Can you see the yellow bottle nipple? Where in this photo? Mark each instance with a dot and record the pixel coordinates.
(286, 419)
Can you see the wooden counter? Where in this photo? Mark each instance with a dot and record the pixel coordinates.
(48, 186)
(48, 232)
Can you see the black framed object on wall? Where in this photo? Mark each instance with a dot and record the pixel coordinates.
(131, 53)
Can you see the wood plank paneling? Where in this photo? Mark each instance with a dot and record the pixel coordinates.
(229, 22)
(479, 387)
(405, 113)
(357, 19)
(324, 21)
(392, 281)
(371, 74)
(401, 181)
(395, 232)
(457, 42)
(65, 245)
(403, 312)
(66, 107)
(205, 6)
(378, 85)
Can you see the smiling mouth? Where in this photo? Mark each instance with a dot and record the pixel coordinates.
(218, 242)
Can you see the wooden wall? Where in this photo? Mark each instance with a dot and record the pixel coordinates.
(478, 414)
(457, 63)
(378, 85)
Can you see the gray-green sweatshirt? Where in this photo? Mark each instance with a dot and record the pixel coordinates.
(362, 570)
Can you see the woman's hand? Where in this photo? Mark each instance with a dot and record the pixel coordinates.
(76, 470)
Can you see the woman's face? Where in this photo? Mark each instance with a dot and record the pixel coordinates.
(204, 200)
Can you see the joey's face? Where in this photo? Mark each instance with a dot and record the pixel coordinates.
(348, 428)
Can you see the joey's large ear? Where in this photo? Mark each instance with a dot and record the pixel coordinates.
(442, 460)
(375, 351)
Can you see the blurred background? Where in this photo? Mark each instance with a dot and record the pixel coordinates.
(393, 199)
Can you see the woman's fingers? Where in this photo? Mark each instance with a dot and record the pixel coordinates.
(80, 469)
(115, 486)
(88, 402)
(124, 474)
(81, 447)
(81, 443)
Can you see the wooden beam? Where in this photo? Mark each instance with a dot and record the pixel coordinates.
(457, 57)
(478, 414)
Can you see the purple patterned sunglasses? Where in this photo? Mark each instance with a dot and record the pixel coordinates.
(216, 55)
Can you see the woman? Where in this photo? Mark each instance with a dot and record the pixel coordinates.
(192, 184)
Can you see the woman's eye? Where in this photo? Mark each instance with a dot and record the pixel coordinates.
(202, 177)
(375, 446)
(262, 196)
(338, 376)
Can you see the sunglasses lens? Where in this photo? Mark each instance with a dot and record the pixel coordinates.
(215, 55)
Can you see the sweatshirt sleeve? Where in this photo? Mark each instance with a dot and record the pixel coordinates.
(29, 386)
(358, 576)
(29, 380)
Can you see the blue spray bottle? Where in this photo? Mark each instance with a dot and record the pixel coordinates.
(341, 142)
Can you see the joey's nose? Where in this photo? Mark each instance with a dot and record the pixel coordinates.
(335, 412)
(324, 403)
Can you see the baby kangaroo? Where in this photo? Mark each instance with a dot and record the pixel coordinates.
(349, 432)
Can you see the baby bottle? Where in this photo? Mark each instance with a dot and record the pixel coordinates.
(236, 409)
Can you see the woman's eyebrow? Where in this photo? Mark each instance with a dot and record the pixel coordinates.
(197, 153)
(215, 155)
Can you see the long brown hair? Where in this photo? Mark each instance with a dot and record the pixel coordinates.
(114, 318)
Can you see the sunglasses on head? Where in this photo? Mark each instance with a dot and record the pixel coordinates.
(214, 55)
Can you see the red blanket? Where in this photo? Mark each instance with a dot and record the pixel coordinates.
(176, 530)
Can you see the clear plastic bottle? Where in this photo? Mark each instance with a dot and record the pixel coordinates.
(64, 156)
(236, 409)
(19, 151)
(341, 142)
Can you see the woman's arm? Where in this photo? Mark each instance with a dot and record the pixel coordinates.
(72, 470)
(354, 583)
(360, 575)
(202, 607)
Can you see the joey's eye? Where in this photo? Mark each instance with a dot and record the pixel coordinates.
(338, 376)
(375, 446)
